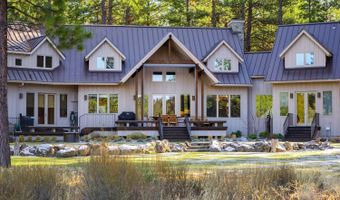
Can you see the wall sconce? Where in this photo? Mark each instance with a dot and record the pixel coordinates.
(291, 95)
(85, 97)
(21, 95)
(319, 95)
(193, 98)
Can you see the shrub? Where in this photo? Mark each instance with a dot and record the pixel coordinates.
(138, 136)
(278, 136)
(37, 139)
(21, 139)
(264, 134)
(194, 137)
(116, 138)
(223, 138)
(46, 139)
(237, 133)
(252, 136)
(128, 137)
(29, 138)
(210, 137)
(53, 139)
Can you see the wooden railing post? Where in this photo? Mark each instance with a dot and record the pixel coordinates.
(188, 126)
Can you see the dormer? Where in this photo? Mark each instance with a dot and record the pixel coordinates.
(35, 53)
(223, 59)
(305, 52)
(105, 57)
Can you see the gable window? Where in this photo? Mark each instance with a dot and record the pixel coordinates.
(304, 59)
(105, 63)
(48, 61)
(63, 105)
(170, 77)
(327, 103)
(157, 77)
(222, 64)
(44, 61)
(110, 61)
(30, 104)
(40, 61)
(283, 103)
(100, 63)
(18, 62)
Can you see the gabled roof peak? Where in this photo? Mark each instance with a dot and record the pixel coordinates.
(105, 40)
(223, 42)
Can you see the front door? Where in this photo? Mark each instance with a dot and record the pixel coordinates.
(305, 108)
(46, 109)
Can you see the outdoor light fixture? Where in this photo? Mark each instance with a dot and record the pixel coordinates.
(85, 97)
(319, 94)
(291, 95)
(193, 98)
(21, 95)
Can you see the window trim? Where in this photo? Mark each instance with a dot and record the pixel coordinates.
(15, 62)
(217, 105)
(119, 67)
(44, 59)
(108, 103)
(170, 74)
(305, 59)
(157, 73)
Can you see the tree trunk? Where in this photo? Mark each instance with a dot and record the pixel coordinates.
(213, 13)
(279, 13)
(103, 11)
(127, 17)
(187, 12)
(110, 19)
(5, 160)
(249, 25)
(242, 9)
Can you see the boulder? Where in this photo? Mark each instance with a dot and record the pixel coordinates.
(67, 152)
(99, 149)
(27, 151)
(215, 146)
(44, 150)
(288, 146)
(84, 150)
(313, 145)
(301, 146)
(295, 146)
(326, 145)
(113, 150)
(178, 147)
(229, 149)
(129, 149)
(162, 146)
(245, 148)
(280, 148)
(274, 144)
(262, 146)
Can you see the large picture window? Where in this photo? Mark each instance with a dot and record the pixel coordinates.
(235, 106)
(113, 103)
(327, 103)
(185, 105)
(103, 103)
(146, 106)
(170, 105)
(157, 102)
(63, 105)
(263, 105)
(283, 103)
(30, 104)
(92, 103)
(223, 106)
(211, 106)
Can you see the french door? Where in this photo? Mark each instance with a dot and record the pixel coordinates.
(46, 109)
(305, 108)
(163, 104)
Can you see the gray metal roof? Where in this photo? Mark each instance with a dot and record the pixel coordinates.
(34, 75)
(328, 34)
(22, 38)
(257, 63)
(135, 42)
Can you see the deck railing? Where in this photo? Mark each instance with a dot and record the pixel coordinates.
(315, 126)
(188, 126)
(288, 122)
(91, 120)
(160, 128)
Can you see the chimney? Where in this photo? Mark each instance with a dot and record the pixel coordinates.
(237, 27)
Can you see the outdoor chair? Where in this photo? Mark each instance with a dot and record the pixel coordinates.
(165, 119)
(173, 120)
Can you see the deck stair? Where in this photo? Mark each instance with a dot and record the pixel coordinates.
(199, 147)
(298, 134)
(176, 133)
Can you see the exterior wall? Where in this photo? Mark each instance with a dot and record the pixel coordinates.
(331, 121)
(105, 50)
(17, 105)
(257, 124)
(30, 61)
(223, 52)
(305, 45)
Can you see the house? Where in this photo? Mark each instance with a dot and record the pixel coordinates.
(200, 72)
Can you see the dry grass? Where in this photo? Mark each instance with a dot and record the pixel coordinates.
(106, 177)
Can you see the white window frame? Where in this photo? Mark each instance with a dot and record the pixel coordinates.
(305, 64)
(108, 103)
(217, 105)
(105, 64)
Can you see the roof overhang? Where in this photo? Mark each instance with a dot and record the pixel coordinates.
(304, 81)
(100, 44)
(181, 46)
(37, 47)
(304, 32)
(233, 85)
(228, 46)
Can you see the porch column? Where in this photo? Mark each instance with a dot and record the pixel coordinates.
(142, 94)
(196, 92)
(136, 92)
(202, 95)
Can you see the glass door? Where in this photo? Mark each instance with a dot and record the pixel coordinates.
(305, 107)
(51, 109)
(163, 105)
(41, 109)
(46, 109)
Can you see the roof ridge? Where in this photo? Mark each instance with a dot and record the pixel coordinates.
(145, 26)
(310, 23)
(256, 52)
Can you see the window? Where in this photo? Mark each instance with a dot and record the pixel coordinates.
(92, 106)
(211, 105)
(170, 105)
(48, 62)
(327, 103)
(103, 100)
(263, 105)
(223, 106)
(303, 59)
(18, 62)
(283, 103)
(157, 102)
(146, 106)
(157, 77)
(113, 103)
(170, 77)
(40, 61)
(63, 105)
(222, 64)
(30, 104)
(110, 63)
(185, 105)
(100, 63)
(235, 105)
(104, 63)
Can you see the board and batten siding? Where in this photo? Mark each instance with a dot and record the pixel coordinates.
(105, 50)
(30, 61)
(331, 121)
(223, 52)
(305, 45)
(17, 105)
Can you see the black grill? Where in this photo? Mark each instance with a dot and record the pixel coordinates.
(127, 116)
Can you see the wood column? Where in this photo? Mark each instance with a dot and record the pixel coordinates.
(202, 95)
(142, 94)
(136, 93)
(196, 92)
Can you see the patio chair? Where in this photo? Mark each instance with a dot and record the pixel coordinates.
(165, 119)
(173, 120)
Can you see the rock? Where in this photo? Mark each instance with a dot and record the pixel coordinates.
(262, 146)
(326, 145)
(44, 150)
(245, 148)
(84, 150)
(229, 149)
(295, 146)
(301, 146)
(27, 151)
(162, 146)
(67, 152)
(242, 139)
(288, 146)
(99, 149)
(280, 148)
(188, 144)
(215, 146)
(313, 145)
(178, 147)
(128, 149)
(274, 144)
